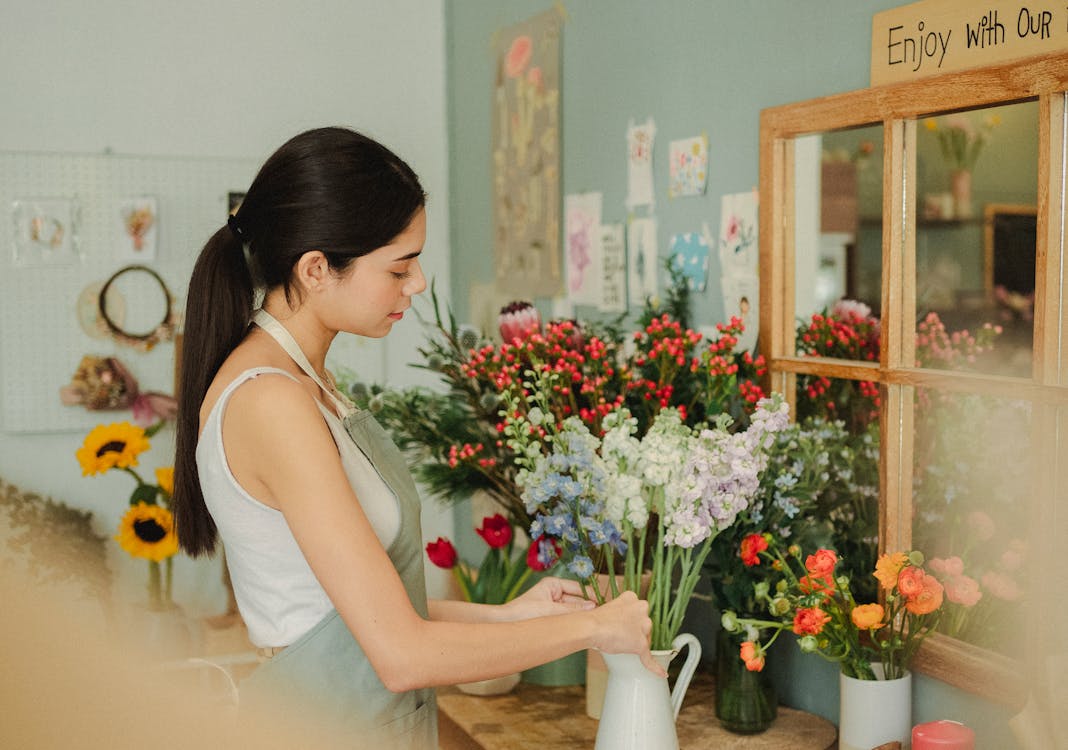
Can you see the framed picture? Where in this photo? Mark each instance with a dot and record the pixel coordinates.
(44, 232)
(139, 223)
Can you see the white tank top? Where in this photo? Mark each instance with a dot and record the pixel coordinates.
(277, 593)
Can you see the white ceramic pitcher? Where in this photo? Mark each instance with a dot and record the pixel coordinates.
(639, 712)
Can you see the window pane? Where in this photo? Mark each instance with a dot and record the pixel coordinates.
(977, 194)
(838, 240)
(972, 483)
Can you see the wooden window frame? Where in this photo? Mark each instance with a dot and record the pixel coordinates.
(897, 107)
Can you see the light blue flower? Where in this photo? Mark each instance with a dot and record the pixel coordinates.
(581, 567)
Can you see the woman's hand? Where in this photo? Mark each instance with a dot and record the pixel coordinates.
(549, 596)
(624, 627)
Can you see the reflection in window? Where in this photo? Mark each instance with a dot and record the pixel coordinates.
(971, 479)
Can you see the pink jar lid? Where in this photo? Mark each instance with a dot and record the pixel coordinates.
(935, 734)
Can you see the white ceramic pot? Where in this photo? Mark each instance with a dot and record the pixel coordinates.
(639, 712)
(874, 712)
(493, 686)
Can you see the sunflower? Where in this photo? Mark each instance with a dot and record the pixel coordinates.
(165, 480)
(108, 446)
(147, 531)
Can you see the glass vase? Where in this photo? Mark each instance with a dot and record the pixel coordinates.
(746, 702)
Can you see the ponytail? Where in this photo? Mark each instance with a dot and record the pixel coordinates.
(217, 315)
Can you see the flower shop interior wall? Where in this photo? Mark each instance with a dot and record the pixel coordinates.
(182, 105)
(693, 69)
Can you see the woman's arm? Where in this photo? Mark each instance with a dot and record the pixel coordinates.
(549, 596)
(298, 465)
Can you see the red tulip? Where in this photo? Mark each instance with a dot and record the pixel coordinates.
(496, 531)
(442, 553)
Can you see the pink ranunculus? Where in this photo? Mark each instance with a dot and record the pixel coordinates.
(518, 57)
(1001, 586)
(535, 78)
(963, 590)
(1012, 559)
(981, 524)
(948, 566)
(517, 320)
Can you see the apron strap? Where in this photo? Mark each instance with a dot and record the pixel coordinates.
(285, 339)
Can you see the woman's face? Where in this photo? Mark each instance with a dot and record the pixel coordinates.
(377, 288)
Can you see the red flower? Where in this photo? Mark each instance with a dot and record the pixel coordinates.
(810, 621)
(542, 549)
(752, 546)
(442, 553)
(518, 320)
(822, 563)
(910, 581)
(496, 531)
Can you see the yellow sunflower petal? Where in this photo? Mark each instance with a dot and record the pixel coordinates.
(108, 446)
(147, 531)
(165, 479)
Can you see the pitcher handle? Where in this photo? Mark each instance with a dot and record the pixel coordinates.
(686, 674)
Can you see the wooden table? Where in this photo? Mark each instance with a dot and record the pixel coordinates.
(545, 718)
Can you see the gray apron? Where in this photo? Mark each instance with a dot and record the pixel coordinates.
(325, 673)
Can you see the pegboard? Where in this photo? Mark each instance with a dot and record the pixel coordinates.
(41, 341)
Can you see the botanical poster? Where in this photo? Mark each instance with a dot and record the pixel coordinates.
(688, 166)
(614, 269)
(642, 259)
(583, 248)
(689, 254)
(640, 163)
(738, 255)
(526, 158)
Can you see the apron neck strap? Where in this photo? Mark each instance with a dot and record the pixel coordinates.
(285, 339)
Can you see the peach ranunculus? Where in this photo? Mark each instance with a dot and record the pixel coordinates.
(810, 621)
(928, 599)
(822, 563)
(751, 548)
(1001, 586)
(981, 525)
(867, 616)
(518, 57)
(963, 590)
(910, 581)
(753, 658)
(949, 566)
(887, 568)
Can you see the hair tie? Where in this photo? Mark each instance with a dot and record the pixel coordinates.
(235, 227)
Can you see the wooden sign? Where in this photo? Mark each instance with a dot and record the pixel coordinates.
(940, 36)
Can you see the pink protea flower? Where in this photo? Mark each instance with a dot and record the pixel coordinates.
(517, 320)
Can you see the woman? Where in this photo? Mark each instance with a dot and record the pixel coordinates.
(316, 508)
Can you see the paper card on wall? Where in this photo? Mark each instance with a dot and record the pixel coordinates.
(688, 166)
(614, 277)
(642, 259)
(582, 242)
(640, 164)
(138, 220)
(741, 298)
(689, 254)
(738, 249)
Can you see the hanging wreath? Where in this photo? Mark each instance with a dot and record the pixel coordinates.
(164, 330)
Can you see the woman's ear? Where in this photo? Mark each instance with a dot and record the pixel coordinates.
(311, 271)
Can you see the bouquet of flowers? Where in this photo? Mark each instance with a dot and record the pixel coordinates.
(620, 503)
(959, 139)
(500, 576)
(813, 601)
(147, 529)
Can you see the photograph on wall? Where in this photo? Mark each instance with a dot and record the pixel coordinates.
(642, 259)
(640, 164)
(614, 269)
(738, 256)
(688, 166)
(44, 232)
(139, 219)
(689, 254)
(526, 158)
(582, 213)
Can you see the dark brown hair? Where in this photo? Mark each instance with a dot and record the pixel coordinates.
(329, 189)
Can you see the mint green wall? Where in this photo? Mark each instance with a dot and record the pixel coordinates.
(694, 67)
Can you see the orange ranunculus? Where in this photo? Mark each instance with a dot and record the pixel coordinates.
(816, 585)
(887, 568)
(928, 599)
(822, 563)
(810, 621)
(910, 581)
(752, 546)
(753, 658)
(867, 616)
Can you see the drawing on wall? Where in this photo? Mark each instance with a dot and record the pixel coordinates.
(642, 259)
(738, 255)
(614, 269)
(640, 164)
(688, 167)
(526, 158)
(139, 217)
(44, 232)
(689, 254)
(583, 248)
